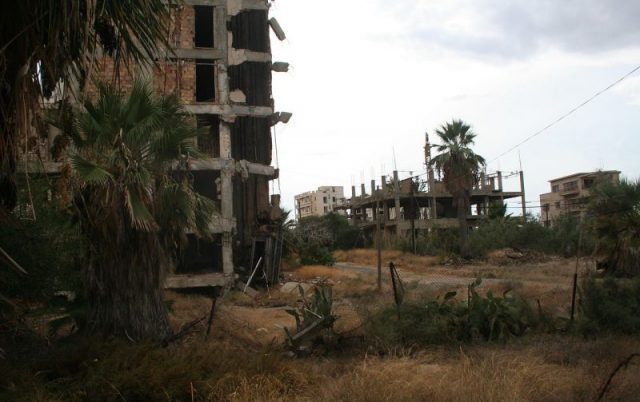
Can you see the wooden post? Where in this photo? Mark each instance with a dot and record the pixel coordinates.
(575, 276)
(378, 245)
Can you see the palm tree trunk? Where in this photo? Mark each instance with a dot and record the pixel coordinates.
(8, 190)
(126, 293)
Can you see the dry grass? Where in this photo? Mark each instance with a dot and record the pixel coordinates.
(236, 363)
(242, 359)
(310, 272)
(369, 257)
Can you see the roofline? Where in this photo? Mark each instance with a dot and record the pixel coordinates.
(585, 174)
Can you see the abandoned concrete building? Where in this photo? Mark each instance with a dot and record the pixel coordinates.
(570, 194)
(324, 200)
(221, 68)
(417, 205)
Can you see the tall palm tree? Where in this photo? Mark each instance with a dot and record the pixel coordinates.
(461, 167)
(44, 43)
(135, 202)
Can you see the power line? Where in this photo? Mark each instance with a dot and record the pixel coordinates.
(570, 112)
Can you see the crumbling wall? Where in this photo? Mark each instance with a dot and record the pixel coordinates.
(250, 29)
(254, 80)
(176, 76)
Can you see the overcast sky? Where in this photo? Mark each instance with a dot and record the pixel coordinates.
(370, 76)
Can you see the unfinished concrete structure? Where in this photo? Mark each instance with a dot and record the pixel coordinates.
(324, 200)
(412, 204)
(220, 67)
(570, 194)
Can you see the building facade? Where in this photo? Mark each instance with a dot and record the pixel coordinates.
(570, 194)
(324, 200)
(220, 66)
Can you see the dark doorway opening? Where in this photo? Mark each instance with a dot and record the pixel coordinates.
(205, 81)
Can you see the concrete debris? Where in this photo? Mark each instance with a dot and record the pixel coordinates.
(291, 287)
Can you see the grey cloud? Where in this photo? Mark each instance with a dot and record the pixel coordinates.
(518, 28)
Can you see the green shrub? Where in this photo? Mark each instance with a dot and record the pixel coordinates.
(436, 321)
(49, 248)
(610, 305)
(561, 239)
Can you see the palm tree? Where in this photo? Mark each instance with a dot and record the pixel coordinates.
(135, 203)
(461, 167)
(615, 212)
(44, 43)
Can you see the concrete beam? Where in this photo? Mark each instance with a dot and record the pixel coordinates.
(232, 165)
(234, 7)
(195, 53)
(205, 2)
(239, 56)
(229, 110)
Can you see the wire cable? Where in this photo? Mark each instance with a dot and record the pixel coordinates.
(570, 112)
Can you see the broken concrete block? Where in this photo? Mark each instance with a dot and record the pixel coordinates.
(291, 287)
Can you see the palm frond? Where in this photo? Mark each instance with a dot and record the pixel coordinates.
(141, 217)
(90, 172)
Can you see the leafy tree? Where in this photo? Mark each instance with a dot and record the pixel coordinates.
(344, 234)
(461, 166)
(498, 210)
(310, 239)
(44, 43)
(133, 206)
(615, 211)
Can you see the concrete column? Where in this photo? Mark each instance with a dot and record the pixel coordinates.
(396, 190)
(385, 207)
(373, 187)
(226, 202)
(363, 192)
(499, 180)
(353, 193)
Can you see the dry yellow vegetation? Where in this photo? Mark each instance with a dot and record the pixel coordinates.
(242, 360)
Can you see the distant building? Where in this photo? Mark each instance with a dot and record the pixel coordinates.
(324, 200)
(570, 194)
(412, 206)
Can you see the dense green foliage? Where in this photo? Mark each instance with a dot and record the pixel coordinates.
(313, 238)
(610, 305)
(561, 239)
(50, 248)
(493, 234)
(448, 320)
(614, 210)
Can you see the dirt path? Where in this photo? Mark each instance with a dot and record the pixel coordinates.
(436, 281)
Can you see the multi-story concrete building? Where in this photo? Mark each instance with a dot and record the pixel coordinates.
(221, 67)
(569, 194)
(408, 206)
(324, 200)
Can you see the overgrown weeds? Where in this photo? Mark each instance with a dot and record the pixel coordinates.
(448, 320)
(91, 370)
(610, 305)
